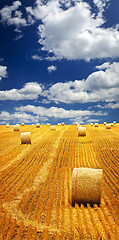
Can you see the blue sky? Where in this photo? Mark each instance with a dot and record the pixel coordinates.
(59, 61)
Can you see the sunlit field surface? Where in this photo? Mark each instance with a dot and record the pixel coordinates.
(35, 183)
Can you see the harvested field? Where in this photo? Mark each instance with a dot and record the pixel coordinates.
(35, 183)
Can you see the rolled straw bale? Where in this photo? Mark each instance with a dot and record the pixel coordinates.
(62, 123)
(48, 124)
(22, 124)
(96, 124)
(81, 131)
(7, 125)
(76, 123)
(105, 123)
(52, 128)
(26, 137)
(114, 122)
(16, 127)
(59, 124)
(86, 185)
(91, 124)
(38, 125)
(108, 126)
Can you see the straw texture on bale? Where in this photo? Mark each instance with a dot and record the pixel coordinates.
(86, 185)
(108, 126)
(38, 125)
(26, 138)
(81, 131)
(16, 127)
(52, 128)
(96, 124)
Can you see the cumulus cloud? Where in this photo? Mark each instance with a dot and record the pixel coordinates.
(76, 33)
(17, 117)
(3, 72)
(51, 68)
(102, 85)
(36, 57)
(55, 112)
(11, 15)
(31, 91)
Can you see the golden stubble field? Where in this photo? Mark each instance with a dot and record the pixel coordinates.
(35, 183)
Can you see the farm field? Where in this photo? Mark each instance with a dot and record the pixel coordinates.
(35, 183)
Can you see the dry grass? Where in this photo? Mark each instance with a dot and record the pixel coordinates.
(35, 183)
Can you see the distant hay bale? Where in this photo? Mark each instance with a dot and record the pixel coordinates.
(7, 125)
(16, 127)
(26, 138)
(81, 131)
(86, 185)
(48, 124)
(91, 124)
(59, 124)
(52, 128)
(76, 123)
(38, 125)
(22, 124)
(108, 126)
(62, 123)
(114, 122)
(105, 123)
(96, 124)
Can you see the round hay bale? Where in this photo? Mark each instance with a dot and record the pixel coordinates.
(7, 125)
(108, 126)
(114, 122)
(104, 123)
(81, 131)
(52, 128)
(38, 125)
(26, 138)
(22, 124)
(16, 127)
(91, 124)
(48, 124)
(59, 124)
(96, 124)
(63, 124)
(86, 185)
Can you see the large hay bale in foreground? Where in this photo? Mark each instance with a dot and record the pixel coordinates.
(108, 126)
(38, 125)
(81, 131)
(86, 185)
(26, 138)
(52, 128)
(16, 127)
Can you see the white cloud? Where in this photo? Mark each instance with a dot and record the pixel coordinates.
(101, 4)
(55, 112)
(112, 105)
(30, 91)
(3, 72)
(103, 66)
(12, 16)
(17, 117)
(102, 85)
(51, 68)
(99, 86)
(76, 33)
(36, 57)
